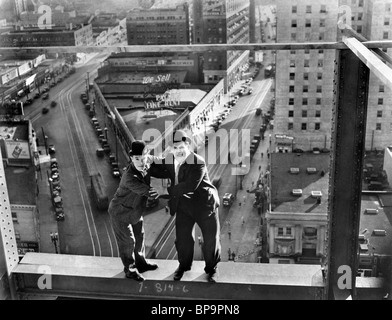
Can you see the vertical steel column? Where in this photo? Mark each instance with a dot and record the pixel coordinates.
(348, 139)
(8, 248)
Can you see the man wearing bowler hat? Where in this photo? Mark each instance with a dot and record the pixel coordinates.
(126, 212)
(194, 199)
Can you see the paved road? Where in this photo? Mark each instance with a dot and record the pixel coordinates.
(85, 231)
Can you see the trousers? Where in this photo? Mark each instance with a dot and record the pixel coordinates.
(185, 238)
(130, 240)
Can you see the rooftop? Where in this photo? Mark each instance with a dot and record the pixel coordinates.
(21, 185)
(139, 77)
(283, 182)
(14, 131)
(380, 221)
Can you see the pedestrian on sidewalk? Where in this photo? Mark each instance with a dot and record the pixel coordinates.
(233, 256)
(244, 197)
(243, 220)
(259, 168)
(262, 154)
(229, 253)
(229, 233)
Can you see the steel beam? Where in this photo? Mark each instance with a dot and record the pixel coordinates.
(196, 48)
(103, 278)
(381, 70)
(348, 138)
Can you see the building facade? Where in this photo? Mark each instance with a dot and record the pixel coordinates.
(304, 78)
(35, 37)
(158, 26)
(221, 21)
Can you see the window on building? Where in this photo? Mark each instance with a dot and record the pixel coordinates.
(303, 126)
(293, 23)
(317, 126)
(321, 36)
(388, 7)
(323, 8)
(306, 63)
(385, 35)
(381, 88)
(290, 126)
(291, 88)
(291, 113)
(308, 9)
(378, 126)
(322, 22)
(292, 76)
(280, 231)
(359, 29)
(308, 23)
(320, 63)
(360, 15)
(380, 101)
(291, 101)
(319, 76)
(318, 113)
(292, 52)
(319, 89)
(17, 235)
(293, 36)
(292, 63)
(14, 217)
(321, 51)
(288, 231)
(379, 113)
(304, 113)
(294, 9)
(360, 3)
(306, 76)
(305, 89)
(305, 101)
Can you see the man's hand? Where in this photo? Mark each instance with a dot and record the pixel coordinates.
(153, 193)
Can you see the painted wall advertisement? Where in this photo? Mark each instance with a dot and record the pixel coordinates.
(17, 150)
(213, 8)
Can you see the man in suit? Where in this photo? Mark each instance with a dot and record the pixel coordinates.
(194, 199)
(126, 212)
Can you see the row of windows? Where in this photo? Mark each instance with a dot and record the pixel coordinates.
(306, 51)
(319, 89)
(308, 23)
(323, 9)
(306, 65)
(304, 126)
(317, 113)
(158, 18)
(304, 101)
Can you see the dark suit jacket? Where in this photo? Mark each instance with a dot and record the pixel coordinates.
(194, 192)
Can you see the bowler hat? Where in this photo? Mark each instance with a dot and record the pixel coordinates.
(137, 148)
(180, 135)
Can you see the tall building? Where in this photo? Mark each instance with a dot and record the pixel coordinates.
(304, 79)
(222, 21)
(379, 115)
(158, 25)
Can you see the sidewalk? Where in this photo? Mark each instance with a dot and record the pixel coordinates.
(47, 218)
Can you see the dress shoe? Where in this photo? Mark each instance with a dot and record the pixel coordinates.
(179, 273)
(147, 267)
(134, 275)
(213, 276)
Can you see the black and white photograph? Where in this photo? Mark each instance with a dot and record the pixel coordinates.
(193, 155)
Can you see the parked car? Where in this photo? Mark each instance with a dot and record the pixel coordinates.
(45, 96)
(297, 150)
(37, 95)
(28, 101)
(52, 149)
(250, 90)
(45, 110)
(53, 104)
(46, 89)
(228, 199)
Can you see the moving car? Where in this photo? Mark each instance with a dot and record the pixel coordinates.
(45, 110)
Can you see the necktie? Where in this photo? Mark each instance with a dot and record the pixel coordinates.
(177, 169)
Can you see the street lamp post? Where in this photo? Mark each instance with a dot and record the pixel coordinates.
(55, 238)
(45, 140)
